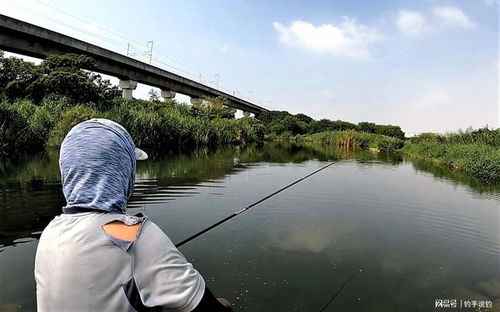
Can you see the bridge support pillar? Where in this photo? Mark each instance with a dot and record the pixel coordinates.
(127, 87)
(246, 114)
(167, 95)
(195, 101)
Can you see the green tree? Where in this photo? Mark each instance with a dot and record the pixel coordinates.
(390, 130)
(214, 107)
(367, 127)
(320, 126)
(294, 125)
(269, 117)
(304, 118)
(154, 96)
(342, 125)
(67, 75)
(16, 75)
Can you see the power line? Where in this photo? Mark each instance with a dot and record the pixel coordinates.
(110, 42)
(86, 21)
(125, 48)
(218, 84)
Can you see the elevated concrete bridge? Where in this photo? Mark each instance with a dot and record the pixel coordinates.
(27, 39)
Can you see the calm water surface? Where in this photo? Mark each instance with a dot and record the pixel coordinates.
(412, 232)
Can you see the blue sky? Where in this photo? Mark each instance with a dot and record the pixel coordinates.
(425, 65)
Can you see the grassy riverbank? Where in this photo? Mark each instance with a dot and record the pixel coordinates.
(40, 103)
(164, 126)
(474, 152)
(352, 139)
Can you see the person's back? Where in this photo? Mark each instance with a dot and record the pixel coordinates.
(94, 257)
(76, 251)
(73, 275)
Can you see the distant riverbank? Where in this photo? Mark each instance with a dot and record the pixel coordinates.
(475, 152)
(172, 126)
(41, 103)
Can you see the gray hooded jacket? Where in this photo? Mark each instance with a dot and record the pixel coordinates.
(78, 266)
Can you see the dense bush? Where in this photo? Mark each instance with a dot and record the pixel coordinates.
(329, 125)
(66, 75)
(249, 130)
(164, 126)
(388, 130)
(15, 75)
(224, 130)
(486, 136)
(474, 152)
(213, 107)
(67, 120)
(272, 116)
(355, 139)
(320, 126)
(25, 126)
(368, 127)
(304, 118)
(282, 123)
(15, 130)
(42, 102)
(173, 126)
(45, 116)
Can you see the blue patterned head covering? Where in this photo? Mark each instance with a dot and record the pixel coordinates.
(97, 162)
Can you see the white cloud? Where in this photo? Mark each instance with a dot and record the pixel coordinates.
(348, 39)
(411, 22)
(452, 16)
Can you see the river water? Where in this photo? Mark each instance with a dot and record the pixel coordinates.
(410, 233)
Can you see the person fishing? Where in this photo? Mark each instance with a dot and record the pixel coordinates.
(95, 257)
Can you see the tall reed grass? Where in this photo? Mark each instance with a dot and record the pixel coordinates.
(166, 126)
(354, 139)
(474, 152)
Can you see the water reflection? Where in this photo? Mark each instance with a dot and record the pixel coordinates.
(417, 232)
(31, 191)
(477, 187)
(414, 239)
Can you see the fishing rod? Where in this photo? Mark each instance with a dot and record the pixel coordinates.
(224, 220)
(339, 291)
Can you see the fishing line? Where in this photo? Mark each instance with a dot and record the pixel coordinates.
(339, 291)
(187, 240)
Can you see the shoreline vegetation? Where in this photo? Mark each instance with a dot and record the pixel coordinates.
(474, 152)
(41, 103)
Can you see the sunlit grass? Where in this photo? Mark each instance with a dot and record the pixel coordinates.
(353, 139)
(475, 152)
(166, 126)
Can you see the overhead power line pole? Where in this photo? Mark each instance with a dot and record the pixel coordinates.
(150, 52)
(217, 80)
(130, 49)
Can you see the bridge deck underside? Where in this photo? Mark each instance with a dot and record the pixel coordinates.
(27, 39)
